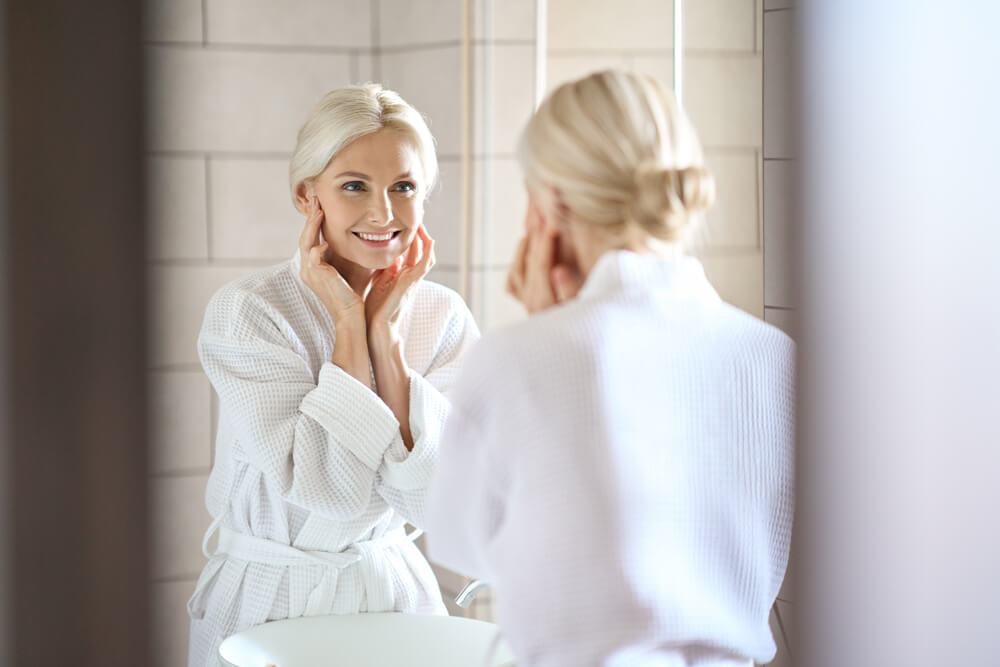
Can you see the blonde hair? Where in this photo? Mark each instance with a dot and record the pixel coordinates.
(622, 155)
(349, 113)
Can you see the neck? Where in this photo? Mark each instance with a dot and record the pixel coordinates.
(590, 246)
(357, 276)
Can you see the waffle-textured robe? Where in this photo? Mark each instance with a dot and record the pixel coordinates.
(620, 468)
(311, 484)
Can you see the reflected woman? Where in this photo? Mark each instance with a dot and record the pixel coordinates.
(331, 371)
(620, 464)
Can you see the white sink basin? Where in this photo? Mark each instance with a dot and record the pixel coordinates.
(368, 640)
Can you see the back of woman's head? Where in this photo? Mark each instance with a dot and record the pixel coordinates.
(622, 155)
(347, 114)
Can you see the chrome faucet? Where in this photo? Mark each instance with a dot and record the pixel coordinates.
(469, 593)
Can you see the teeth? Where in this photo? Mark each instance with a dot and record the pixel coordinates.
(376, 237)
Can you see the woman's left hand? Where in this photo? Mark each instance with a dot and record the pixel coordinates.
(536, 279)
(390, 287)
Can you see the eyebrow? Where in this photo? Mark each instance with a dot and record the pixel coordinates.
(358, 174)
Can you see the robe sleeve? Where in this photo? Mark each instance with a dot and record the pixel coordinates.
(320, 441)
(466, 498)
(404, 475)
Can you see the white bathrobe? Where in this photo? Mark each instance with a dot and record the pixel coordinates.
(312, 485)
(620, 468)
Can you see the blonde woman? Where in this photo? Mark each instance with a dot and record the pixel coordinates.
(619, 465)
(331, 371)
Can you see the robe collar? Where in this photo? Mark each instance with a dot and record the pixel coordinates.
(619, 271)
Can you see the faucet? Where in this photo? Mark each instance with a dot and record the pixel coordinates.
(468, 594)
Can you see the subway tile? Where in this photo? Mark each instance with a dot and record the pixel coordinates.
(326, 23)
(602, 25)
(169, 622)
(779, 97)
(366, 68)
(660, 67)
(726, 25)
(173, 21)
(779, 233)
(510, 20)
(722, 94)
(179, 295)
(512, 96)
(787, 321)
(438, 97)
(443, 213)
(738, 279)
(176, 208)
(492, 306)
(223, 100)
(448, 276)
(179, 522)
(564, 67)
(251, 210)
(500, 203)
(181, 421)
(732, 221)
(410, 22)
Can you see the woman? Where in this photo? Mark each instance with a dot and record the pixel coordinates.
(331, 370)
(619, 465)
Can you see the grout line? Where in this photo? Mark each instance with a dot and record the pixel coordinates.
(779, 9)
(779, 159)
(208, 207)
(789, 309)
(257, 48)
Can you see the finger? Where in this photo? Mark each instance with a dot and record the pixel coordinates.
(427, 259)
(565, 283)
(541, 254)
(317, 253)
(310, 232)
(520, 263)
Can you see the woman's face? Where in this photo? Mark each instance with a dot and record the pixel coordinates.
(372, 195)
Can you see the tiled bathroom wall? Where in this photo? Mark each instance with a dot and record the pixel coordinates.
(721, 92)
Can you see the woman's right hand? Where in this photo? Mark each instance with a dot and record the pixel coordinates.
(346, 307)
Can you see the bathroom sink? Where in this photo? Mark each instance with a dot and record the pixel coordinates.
(368, 640)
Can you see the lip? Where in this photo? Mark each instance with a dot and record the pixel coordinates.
(378, 244)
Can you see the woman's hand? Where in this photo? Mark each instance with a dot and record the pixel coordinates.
(391, 286)
(536, 279)
(346, 306)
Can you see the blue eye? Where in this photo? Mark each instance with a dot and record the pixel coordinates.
(354, 186)
(405, 186)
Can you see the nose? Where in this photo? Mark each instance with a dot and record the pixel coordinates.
(380, 212)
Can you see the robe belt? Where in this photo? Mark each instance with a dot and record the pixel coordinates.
(373, 567)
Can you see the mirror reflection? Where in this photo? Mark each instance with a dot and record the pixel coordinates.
(325, 258)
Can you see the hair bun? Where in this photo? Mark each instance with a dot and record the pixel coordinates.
(665, 197)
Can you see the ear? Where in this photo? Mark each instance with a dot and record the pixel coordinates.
(303, 193)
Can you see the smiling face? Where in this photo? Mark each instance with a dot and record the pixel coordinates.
(372, 194)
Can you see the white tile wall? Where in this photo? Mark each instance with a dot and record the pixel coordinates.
(722, 94)
(173, 20)
(366, 68)
(251, 209)
(602, 25)
(443, 213)
(738, 279)
(170, 623)
(181, 421)
(430, 79)
(562, 67)
(512, 95)
(778, 97)
(176, 208)
(778, 233)
(659, 66)
(325, 23)
(222, 100)
(732, 221)
(724, 25)
(179, 520)
(405, 23)
(179, 295)
(495, 239)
